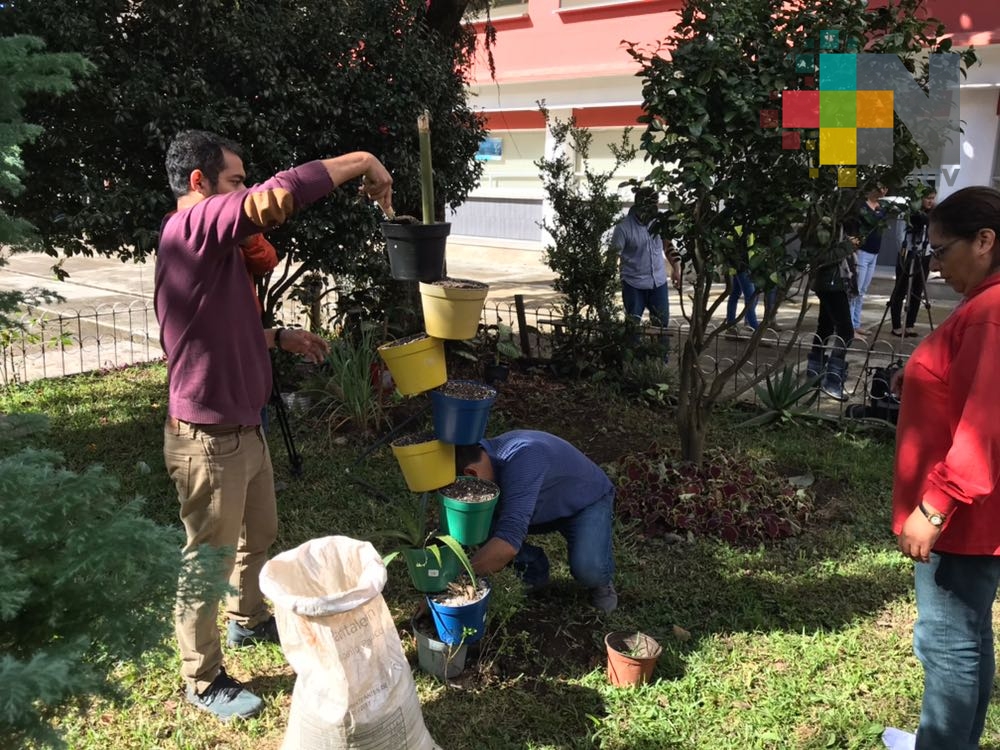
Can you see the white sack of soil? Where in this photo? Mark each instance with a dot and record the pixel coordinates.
(354, 689)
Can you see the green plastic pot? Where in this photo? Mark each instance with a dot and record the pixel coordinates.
(468, 522)
(427, 574)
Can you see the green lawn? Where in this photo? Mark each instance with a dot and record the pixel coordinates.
(803, 644)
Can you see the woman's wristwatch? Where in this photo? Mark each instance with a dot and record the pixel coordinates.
(936, 519)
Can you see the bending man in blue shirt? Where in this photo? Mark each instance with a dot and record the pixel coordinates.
(546, 485)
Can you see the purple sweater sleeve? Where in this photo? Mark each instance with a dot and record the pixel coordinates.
(219, 371)
(228, 219)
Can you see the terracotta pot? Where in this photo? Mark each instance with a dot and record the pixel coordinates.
(632, 657)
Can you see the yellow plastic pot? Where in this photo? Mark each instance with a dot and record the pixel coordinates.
(453, 312)
(416, 365)
(426, 466)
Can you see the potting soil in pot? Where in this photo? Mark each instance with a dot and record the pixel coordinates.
(470, 491)
(406, 340)
(413, 438)
(460, 594)
(467, 390)
(460, 284)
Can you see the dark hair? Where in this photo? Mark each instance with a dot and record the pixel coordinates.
(965, 212)
(196, 149)
(465, 455)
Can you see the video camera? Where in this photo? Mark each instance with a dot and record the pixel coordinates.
(882, 403)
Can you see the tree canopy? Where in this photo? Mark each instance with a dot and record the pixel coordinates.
(735, 195)
(290, 80)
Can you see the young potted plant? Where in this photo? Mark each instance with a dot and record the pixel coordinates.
(433, 559)
(632, 657)
(459, 613)
(461, 411)
(425, 461)
(416, 251)
(467, 506)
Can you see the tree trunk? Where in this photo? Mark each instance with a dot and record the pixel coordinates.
(692, 421)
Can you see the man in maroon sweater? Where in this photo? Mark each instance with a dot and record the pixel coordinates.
(219, 376)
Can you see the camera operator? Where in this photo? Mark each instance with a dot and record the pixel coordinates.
(912, 267)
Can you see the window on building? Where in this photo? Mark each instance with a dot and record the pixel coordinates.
(501, 9)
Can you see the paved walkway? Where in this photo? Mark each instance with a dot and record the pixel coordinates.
(110, 302)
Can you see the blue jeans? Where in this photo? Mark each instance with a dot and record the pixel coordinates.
(743, 284)
(637, 301)
(588, 539)
(953, 638)
(866, 271)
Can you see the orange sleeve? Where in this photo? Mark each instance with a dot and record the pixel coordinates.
(259, 255)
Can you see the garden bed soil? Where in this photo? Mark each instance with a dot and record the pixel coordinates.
(470, 491)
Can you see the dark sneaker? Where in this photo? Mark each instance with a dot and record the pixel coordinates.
(238, 636)
(226, 699)
(604, 598)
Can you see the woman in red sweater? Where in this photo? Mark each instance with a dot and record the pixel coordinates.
(946, 494)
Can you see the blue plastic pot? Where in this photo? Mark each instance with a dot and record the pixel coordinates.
(461, 421)
(452, 621)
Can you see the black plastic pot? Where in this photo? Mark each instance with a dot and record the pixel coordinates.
(416, 251)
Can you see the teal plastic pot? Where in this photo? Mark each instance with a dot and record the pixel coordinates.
(458, 420)
(452, 622)
(426, 573)
(468, 522)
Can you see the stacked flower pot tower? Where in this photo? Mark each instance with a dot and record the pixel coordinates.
(452, 309)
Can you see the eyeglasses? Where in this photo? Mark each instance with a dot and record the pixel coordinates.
(939, 251)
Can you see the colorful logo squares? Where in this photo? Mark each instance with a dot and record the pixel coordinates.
(836, 109)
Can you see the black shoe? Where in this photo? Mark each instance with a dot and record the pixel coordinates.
(226, 699)
(238, 636)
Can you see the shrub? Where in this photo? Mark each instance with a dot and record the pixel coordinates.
(87, 582)
(734, 498)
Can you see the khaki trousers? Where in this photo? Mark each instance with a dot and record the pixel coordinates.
(225, 485)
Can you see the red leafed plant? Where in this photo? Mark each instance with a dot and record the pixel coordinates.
(731, 497)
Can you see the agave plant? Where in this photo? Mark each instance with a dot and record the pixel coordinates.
(411, 533)
(785, 399)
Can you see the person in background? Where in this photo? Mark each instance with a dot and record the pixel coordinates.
(946, 479)
(546, 485)
(219, 378)
(643, 263)
(833, 283)
(870, 226)
(912, 267)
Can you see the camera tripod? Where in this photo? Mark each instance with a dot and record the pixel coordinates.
(281, 413)
(912, 267)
